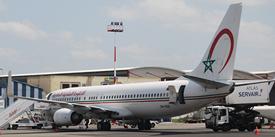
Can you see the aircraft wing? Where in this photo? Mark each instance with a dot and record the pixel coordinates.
(74, 106)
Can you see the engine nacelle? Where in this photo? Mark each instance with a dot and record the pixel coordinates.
(67, 117)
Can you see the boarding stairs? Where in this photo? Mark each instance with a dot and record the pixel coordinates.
(13, 111)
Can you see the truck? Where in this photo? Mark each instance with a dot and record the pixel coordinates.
(227, 118)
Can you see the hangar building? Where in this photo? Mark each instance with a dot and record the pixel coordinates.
(58, 80)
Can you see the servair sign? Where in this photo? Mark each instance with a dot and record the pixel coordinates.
(250, 94)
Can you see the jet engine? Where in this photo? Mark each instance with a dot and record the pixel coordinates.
(67, 117)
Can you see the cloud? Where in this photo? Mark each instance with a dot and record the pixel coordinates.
(12, 56)
(3, 6)
(256, 34)
(135, 51)
(244, 2)
(91, 39)
(80, 48)
(175, 14)
(89, 54)
(23, 29)
(8, 52)
(145, 54)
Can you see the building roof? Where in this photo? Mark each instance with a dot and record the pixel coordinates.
(105, 72)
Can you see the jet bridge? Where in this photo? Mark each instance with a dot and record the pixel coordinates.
(13, 111)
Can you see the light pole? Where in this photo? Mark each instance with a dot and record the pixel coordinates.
(115, 27)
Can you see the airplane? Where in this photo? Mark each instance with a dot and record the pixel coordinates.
(138, 103)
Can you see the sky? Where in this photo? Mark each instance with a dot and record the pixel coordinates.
(71, 35)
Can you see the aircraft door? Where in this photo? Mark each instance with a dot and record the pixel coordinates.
(172, 94)
(181, 94)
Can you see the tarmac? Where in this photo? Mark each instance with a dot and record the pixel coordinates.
(162, 129)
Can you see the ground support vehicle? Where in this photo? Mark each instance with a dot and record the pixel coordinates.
(35, 122)
(227, 118)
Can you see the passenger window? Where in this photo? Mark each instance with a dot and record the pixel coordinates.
(134, 95)
(137, 95)
(158, 95)
(155, 95)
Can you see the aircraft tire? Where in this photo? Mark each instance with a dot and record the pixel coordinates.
(100, 126)
(107, 126)
(140, 126)
(147, 125)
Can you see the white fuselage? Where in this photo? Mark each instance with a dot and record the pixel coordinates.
(141, 100)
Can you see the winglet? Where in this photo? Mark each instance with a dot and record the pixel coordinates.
(9, 88)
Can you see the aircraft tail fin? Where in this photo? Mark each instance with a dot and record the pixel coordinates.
(218, 62)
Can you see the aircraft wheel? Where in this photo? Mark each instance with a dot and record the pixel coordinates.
(141, 126)
(107, 126)
(100, 126)
(147, 125)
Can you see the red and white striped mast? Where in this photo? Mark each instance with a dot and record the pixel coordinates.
(115, 27)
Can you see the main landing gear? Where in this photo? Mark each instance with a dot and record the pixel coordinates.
(104, 126)
(144, 125)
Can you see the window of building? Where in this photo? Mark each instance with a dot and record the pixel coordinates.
(64, 85)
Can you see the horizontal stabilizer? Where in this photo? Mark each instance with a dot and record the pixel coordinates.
(206, 83)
